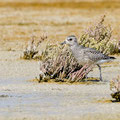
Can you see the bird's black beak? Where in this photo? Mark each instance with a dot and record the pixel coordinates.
(63, 43)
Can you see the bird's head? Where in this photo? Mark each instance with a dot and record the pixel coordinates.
(70, 40)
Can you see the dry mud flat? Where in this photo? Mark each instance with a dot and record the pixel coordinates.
(21, 99)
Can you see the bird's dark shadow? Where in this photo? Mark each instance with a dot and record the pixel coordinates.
(92, 79)
(115, 101)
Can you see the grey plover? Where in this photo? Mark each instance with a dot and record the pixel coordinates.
(85, 55)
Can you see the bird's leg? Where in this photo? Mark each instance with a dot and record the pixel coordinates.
(100, 72)
(86, 67)
(86, 75)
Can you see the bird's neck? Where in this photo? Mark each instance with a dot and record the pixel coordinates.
(75, 46)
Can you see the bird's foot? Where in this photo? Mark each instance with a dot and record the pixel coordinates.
(101, 79)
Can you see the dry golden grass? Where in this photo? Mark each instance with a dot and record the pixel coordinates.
(20, 20)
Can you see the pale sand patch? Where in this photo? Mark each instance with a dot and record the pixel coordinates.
(34, 101)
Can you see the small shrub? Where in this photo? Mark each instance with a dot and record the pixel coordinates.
(115, 88)
(119, 46)
(59, 64)
(99, 36)
(32, 47)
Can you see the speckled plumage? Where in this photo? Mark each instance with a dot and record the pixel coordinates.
(88, 55)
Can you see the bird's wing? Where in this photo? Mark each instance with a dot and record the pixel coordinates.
(95, 55)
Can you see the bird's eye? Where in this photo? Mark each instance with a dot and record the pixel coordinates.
(70, 39)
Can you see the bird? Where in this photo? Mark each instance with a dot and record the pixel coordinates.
(86, 55)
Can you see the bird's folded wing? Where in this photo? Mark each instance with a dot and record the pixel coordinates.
(95, 55)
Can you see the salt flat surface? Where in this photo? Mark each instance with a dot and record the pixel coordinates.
(22, 99)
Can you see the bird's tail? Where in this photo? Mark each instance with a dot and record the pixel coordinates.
(112, 58)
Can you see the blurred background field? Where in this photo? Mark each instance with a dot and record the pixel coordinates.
(19, 20)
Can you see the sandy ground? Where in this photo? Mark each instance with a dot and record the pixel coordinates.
(21, 99)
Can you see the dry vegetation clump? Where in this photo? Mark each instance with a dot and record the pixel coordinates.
(58, 64)
(115, 88)
(99, 36)
(119, 46)
(32, 48)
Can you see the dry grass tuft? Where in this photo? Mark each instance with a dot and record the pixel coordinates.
(32, 48)
(115, 88)
(59, 64)
(99, 36)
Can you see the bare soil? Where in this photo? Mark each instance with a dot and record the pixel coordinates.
(24, 100)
